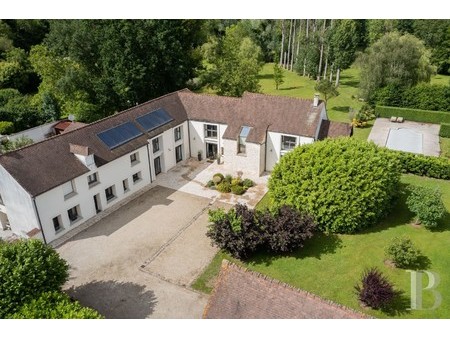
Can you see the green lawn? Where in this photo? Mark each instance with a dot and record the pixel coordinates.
(440, 79)
(330, 266)
(445, 147)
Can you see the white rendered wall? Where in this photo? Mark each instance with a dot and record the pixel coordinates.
(167, 147)
(248, 162)
(273, 148)
(323, 116)
(197, 137)
(18, 205)
(52, 203)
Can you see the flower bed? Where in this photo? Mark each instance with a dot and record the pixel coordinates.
(229, 184)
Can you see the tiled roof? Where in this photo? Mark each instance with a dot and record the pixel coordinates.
(262, 112)
(48, 164)
(73, 126)
(334, 129)
(240, 293)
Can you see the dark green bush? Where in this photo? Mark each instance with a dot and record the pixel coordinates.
(402, 252)
(224, 187)
(217, 178)
(210, 184)
(55, 305)
(417, 115)
(228, 178)
(237, 189)
(344, 183)
(236, 231)
(426, 204)
(445, 130)
(248, 183)
(430, 166)
(28, 268)
(6, 127)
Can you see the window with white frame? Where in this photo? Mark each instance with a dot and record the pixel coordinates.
(57, 223)
(137, 177)
(210, 131)
(134, 158)
(125, 185)
(177, 133)
(242, 140)
(68, 189)
(155, 144)
(110, 193)
(74, 213)
(92, 179)
(288, 142)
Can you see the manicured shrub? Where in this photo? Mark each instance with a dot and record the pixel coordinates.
(430, 166)
(236, 231)
(224, 187)
(236, 181)
(248, 183)
(217, 178)
(375, 290)
(418, 115)
(426, 204)
(402, 252)
(445, 130)
(6, 127)
(55, 305)
(345, 184)
(28, 268)
(237, 189)
(285, 229)
(210, 184)
(228, 178)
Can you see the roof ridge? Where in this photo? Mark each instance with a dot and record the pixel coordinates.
(228, 264)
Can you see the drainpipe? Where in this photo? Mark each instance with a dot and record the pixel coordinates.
(149, 165)
(189, 138)
(39, 220)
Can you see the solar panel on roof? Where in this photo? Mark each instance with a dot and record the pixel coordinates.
(154, 119)
(119, 135)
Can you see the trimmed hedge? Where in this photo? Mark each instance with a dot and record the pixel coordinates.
(445, 130)
(434, 167)
(417, 115)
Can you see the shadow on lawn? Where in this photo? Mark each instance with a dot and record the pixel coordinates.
(399, 305)
(444, 224)
(290, 88)
(317, 246)
(344, 109)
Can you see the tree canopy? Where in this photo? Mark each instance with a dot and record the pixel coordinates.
(400, 60)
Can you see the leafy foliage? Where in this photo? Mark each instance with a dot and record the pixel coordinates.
(426, 204)
(237, 189)
(248, 183)
(232, 63)
(18, 143)
(429, 116)
(445, 130)
(236, 231)
(217, 178)
(327, 89)
(403, 252)
(286, 229)
(54, 305)
(224, 187)
(6, 127)
(28, 268)
(430, 166)
(278, 75)
(375, 290)
(401, 60)
(344, 183)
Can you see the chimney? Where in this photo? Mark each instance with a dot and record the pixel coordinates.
(316, 100)
(84, 154)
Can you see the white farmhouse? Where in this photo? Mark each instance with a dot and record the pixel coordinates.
(52, 186)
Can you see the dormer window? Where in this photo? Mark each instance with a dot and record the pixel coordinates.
(242, 141)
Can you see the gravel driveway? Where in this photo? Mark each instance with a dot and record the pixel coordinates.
(139, 261)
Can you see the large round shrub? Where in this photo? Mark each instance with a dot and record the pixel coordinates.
(28, 268)
(344, 183)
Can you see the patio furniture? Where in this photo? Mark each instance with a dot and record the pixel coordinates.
(393, 119)
(400, 119)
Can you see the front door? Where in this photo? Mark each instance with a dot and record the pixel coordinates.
(157, 163)
(178, 153)
(97, 203)
(211, 150)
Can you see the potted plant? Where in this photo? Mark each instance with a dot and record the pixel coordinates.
(218, 158)
(199, 155)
